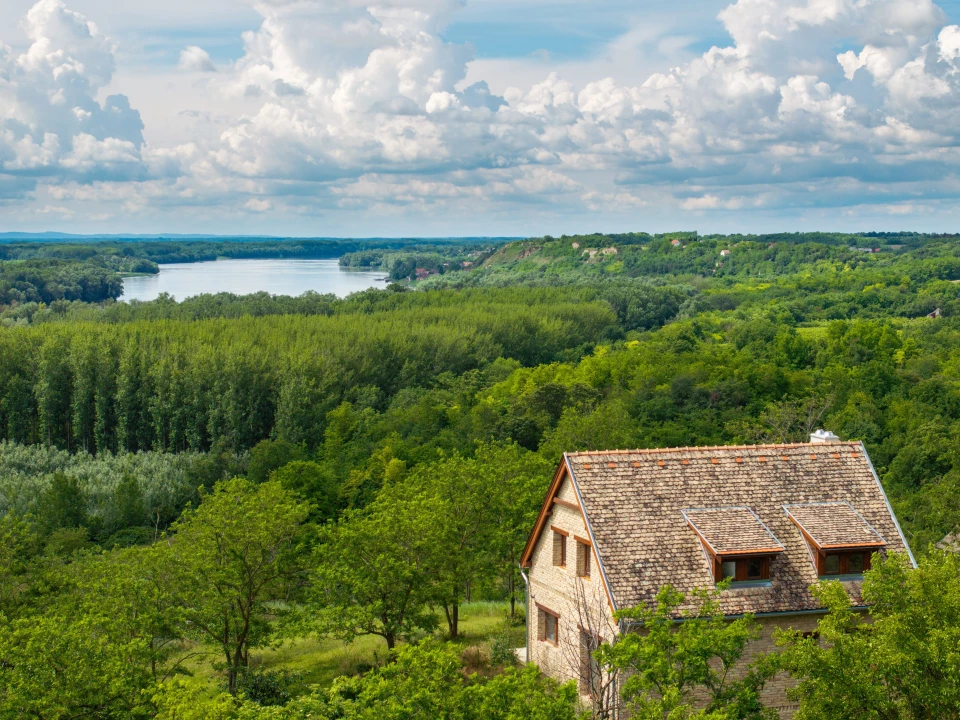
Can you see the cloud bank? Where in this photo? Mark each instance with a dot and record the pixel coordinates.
(359, 109)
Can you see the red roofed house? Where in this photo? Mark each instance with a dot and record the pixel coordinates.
(618, 525)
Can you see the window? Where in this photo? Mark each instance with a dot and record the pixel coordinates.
(559, 548)
(547, 625)
(550, 632)
(583, 559)
(744, 569)
(590, 677)
(851, 563)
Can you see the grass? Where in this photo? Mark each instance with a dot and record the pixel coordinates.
(320, 660)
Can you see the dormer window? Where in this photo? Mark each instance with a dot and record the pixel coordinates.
(839, 540)
(737, 545)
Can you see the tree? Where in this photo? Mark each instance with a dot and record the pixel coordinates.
(903, 663)
(664, 661)
(467, 493)
(312, 483)
(63, 504)
(269, 455)
(229, 560)
(518, 481)
(68, 666)
(374, 569)
(19, 546)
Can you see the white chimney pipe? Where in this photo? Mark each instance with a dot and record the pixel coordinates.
(823, 436)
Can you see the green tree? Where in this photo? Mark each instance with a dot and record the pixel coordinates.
(230, 560)
(902, 662)
(269, 455)
(374, 569)
(663, 662)
(311, 482)
(62, 666)
(63, 504)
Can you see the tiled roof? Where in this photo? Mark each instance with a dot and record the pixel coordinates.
(634, 500)
(732, 530)
(834, 525)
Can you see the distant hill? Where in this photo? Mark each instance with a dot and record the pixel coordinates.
(9, 237)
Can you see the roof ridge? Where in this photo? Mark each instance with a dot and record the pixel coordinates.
(708, 448)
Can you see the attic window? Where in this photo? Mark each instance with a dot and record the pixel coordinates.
(736, 543)
(583, 558)
(839, 539)
(559, 547)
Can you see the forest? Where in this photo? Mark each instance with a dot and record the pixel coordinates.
(273, 507)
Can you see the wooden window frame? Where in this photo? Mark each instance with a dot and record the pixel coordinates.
(587, 684)
(548, 613)
(584, 551)
(844, 562)
(560, 537)
(743, 565)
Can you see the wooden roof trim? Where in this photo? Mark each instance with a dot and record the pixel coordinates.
(560, 531)
(545, 510)
(593, 544)
(566, 503)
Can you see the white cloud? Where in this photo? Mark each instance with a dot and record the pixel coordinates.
(196, 59)
(356, 104)
(52, 125)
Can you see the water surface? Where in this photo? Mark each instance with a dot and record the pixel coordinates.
(242, 277)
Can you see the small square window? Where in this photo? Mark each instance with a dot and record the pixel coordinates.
(855, 563)
(755, 569)
(729, 569)
(832, 565)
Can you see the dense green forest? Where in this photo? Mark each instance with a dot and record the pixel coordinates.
(270, 507)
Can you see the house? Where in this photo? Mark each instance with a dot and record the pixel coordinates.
(935, 314)
(422, 274)
(618, 525)
(724, 253)
(675, 242)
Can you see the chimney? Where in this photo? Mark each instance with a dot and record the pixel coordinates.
(822, 436)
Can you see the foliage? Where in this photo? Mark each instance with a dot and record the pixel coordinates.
(664, 663)
(373, 569)
(62, 666)
(902, 663)
(243, 541)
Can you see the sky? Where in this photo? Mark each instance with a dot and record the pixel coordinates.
(485, 117)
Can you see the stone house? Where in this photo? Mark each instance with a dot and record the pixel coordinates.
(618, 525)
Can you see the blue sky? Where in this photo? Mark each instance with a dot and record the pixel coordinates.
(438, 117)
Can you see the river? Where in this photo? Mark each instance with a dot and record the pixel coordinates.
(242, 277)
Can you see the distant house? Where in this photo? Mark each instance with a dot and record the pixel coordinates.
(467, 264)
(674, 242)
(575, 246)
(616, 526)
(724, 253)
(935, 314)
(421, 273)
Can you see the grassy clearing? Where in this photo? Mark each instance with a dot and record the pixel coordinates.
(320, 661)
